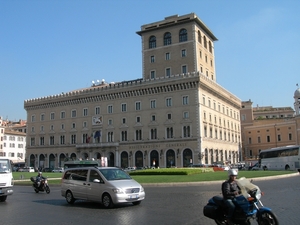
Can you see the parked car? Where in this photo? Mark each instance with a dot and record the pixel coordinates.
(26, 169)
(46, 169)
(224, 167)
(107, 185)
(256, 166)
(58, 170)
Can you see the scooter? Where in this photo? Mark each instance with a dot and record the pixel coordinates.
(248, 207)
(43, 185)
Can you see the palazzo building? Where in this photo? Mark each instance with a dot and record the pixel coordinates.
(267, 127)
(175, 115)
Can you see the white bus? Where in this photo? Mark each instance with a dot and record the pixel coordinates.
(281, 158)
(6, 178)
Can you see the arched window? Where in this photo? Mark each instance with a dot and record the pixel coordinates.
(152, 42)
(205, 43)
(199, 36)
(167, 38)
(210, 47)
(182, 35)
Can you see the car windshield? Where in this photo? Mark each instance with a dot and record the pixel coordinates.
(114, 174)
(4, 166)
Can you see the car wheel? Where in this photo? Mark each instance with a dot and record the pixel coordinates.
(3, 198)
(69, 197)
(106, 201)
(136, 203)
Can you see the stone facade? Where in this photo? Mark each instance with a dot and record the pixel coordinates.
(174, 116)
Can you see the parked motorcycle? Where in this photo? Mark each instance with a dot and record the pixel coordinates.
(43, 185)
(248, 207)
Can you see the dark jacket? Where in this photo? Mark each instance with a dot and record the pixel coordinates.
(229, 189)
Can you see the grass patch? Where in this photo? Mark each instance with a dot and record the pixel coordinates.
(161, 176)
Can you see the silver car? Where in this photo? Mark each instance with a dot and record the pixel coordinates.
(107, 185)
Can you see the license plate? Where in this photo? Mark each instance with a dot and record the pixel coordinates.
(133, 196)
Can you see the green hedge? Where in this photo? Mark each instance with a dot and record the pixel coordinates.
(173, 171)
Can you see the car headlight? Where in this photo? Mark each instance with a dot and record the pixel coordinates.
(118, 191)
(142, 189)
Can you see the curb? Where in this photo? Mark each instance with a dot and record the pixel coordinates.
(193, 183)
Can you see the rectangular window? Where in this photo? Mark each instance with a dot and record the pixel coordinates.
(169, 131)
(123, 107)
(110, 109)
(97, 110)
(51, 140)
(168, 102)
(268, 138)
(62, 115)
(152, 74)
(138, 119)
(32, 118)
(73, 139)
(138, 135)
(168, 72)
(184, 69)
(138, 106)
(110, 136)
(62, 139)
(52, 116)
(153, 104)
(152, 59)
(290, 136)
(153, 118)
(183, 53)
(169, 116)
(167, 56)
(73, 113)
(258, 139)
(124, 135)
(185, 115)
(42, 117)
(279, 137)
(85, 112)
(185, 100)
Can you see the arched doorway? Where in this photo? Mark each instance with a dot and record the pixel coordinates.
(154, 159)
(124, 159)
(170, 160)
(32, 161)
(98, 155)
(51, 161)
(187, 157)
(111, 159)
(62, 158)
(139, 159)
(41, 162)
(85, 156)
(73, 156)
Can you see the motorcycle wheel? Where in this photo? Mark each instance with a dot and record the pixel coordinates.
(267, 218)
(47, 189)
(36, 190)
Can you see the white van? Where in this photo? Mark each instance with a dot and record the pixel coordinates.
(6, 179)
(107, 185)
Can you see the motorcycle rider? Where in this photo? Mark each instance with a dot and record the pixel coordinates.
(38, 179)
(229, 190)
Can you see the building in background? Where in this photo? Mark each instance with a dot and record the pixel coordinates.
(13, 140)
(269, 127)
(175, 115)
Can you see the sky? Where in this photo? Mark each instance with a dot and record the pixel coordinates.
(49, 47)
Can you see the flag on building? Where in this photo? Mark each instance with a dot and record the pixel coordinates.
(97, 134)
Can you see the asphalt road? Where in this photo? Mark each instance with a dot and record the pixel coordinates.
(164, 205)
